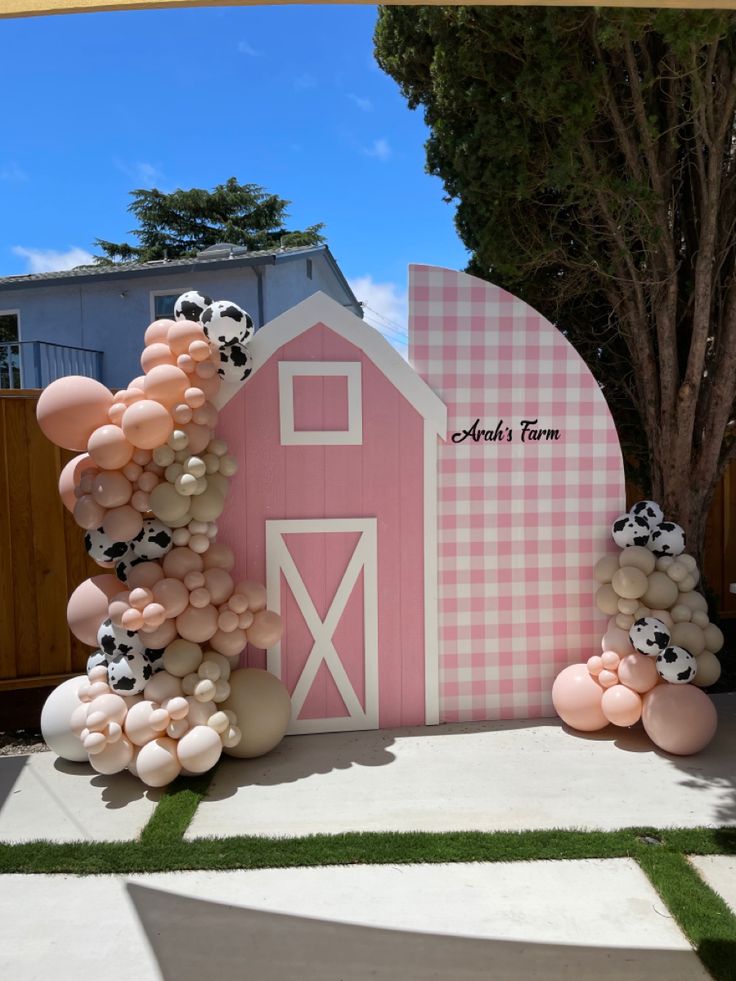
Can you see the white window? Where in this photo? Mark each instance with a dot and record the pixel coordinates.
(346, 403)
(10, 350)
(162, 304)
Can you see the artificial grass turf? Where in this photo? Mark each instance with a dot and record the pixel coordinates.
(175, 810)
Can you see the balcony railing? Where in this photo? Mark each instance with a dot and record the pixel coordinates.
(34, 364)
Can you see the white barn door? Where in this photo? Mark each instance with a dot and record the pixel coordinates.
(279, 562)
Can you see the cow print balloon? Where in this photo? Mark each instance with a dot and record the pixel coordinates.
(153, 541)
(114, 640)
(128, 562)
(191, 306)
(650, 511)
(667, 539)
(649, 636)
(676, 665)
(236, 363)
(630, 530)
(155, 658)
(226, 323)
(127, 674)
(103, 549)
(97, 659)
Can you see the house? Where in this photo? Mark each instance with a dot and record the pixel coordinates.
(90, 320)
(427, 533)
(334, 508)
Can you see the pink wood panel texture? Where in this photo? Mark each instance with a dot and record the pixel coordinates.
(383, 478)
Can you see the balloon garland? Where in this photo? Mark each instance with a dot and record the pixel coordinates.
(659, 648)
(163, 692)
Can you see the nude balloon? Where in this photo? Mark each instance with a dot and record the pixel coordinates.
(156, 354)
(197, 625)
(147, 424)
(219, 556)
(173, 595)
(157, 763)
(577, 697)
(70, 476)
(180, 561)
(114, 757)
(679, 719)
(158, 639)
(87, 607)
(111, 489)
(638, 672)
(232, 642)
(199, 749)
(71, 408)
(88, 514)
(122, 524)
(254, 592)
(621, 705)
(220, 585)
(183, 333)
(109, 448)
(266, 630)
(166, 384)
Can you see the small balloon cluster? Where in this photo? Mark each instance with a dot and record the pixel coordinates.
(658, 641)
(169, 625)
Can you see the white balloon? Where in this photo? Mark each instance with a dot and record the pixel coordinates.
(56, 717)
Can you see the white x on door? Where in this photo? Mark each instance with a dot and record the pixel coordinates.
(279, 561)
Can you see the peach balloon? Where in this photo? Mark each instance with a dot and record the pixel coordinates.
(266, 630)
(138, 726)
(158, 639)
(111, 489)
(254, 592)
(145, 575)
(218, 556)
(616, 639)
(194, 397)
(209, 385)
(114, 757)
(206, 415)
(147, 424)
(679, 719)
(141, 457)
(231, 642)
(576, 697)
(70, 476)
(180, 561)
(173, 595)
(610, 660)
(122, 524)
(607, 679)
(132, 619)
(227, 620)
(199, 749)
(71, 408)
(595, 664)
(157, 763)
(220, 585)
(186, 363)
(621, 705)
(153, 615)
(154, 355)
(88, 514)
(638, 672)
(199, 437)
(109, 448)
(199, 351)
(162, 686)
(157, 332)
(182, 414)
(207, 368)
(87, 606)
(182, 334)
(197, 625)
(166, 384)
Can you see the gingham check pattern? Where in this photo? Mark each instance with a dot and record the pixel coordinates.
(521, 525)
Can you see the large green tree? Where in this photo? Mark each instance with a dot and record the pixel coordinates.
(183, 222)
(592, 153)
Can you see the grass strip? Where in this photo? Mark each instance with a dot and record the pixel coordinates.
(175, 810)
(702, 915)
(162, 848)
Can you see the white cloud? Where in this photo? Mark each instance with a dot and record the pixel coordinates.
(246, 49)
(49, 260)
(146, 174)
(12, 172)
(365, 104)
(379, 149)
(385, 308)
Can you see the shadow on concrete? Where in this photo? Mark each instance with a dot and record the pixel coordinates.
(192, 939)
(118, 789)
(11, 768)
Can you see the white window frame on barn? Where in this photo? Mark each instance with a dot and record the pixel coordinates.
(351, 370)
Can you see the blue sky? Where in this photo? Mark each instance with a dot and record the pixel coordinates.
(287, 97)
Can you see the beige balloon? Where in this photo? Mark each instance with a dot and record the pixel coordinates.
(182, 657)
(167, 505)
(696, 601)
(628, 606)
(605, 568)
(681, 613)
(638, 557)
(661, 592)
(688, 561)
(677, 572)
(606, 599)
(625, 621)
(630, 582)
(263, 707)
(700, 618)
(708, 670)
(664, 562)
(688, 583)
(688, 635)
(714, 638)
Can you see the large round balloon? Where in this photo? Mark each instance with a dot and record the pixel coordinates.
(680, 719)
(71, 408)
(56, 717)
(576, 697)
(87, 607)
(263, 707)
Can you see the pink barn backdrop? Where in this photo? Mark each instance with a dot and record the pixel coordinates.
(334, 506)
(521, 524)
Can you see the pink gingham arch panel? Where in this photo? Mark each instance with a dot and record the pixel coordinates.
(525, 508)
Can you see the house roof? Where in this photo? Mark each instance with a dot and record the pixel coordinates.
(211, 259)
(320, 308)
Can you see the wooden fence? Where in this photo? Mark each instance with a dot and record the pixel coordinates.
(42, 555)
